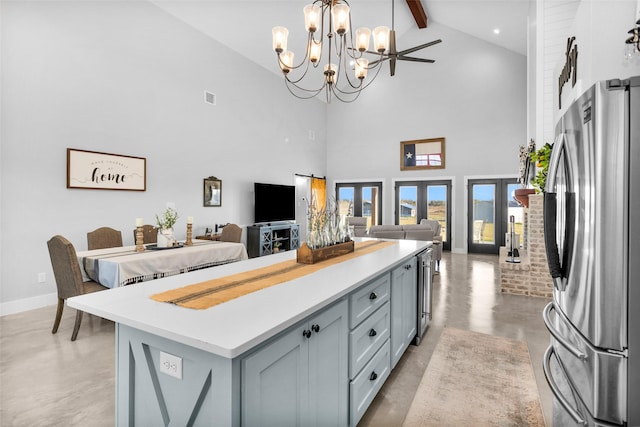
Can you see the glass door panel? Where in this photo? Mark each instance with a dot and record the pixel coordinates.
(484, 213)
(370, 205)
(408, 204)
(437, 207)
(346, 201)
(516, 211)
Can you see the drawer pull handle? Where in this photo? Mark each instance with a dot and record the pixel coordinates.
(306, 333)
(373, 295)
(373, 376)
(372, 333)
(315, 328)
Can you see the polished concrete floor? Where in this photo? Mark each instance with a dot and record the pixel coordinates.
(47, 380)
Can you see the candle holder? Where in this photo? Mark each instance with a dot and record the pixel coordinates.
(139, 239)
(189, 242)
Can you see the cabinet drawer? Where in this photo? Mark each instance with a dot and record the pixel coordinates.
(367, 384)
(366, 339)
(366, 300)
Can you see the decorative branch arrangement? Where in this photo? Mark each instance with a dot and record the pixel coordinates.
(325, 225)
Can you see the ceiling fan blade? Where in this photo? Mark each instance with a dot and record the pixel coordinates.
(366, 51)
(422, 46)
(373, 63)
(392, 66)
(411, 58)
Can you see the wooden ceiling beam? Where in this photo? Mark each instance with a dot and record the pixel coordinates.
(418, 12)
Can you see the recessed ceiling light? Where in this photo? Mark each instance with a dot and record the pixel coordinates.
(496, 31)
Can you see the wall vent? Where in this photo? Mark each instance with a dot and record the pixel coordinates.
(209, 98)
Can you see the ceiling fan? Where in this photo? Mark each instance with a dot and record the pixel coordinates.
(393, 55)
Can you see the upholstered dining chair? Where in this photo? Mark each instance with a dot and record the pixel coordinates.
(149, 234)
(231, 233)
(66, 271)
(104, 237)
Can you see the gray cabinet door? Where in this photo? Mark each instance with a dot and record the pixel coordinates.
(328, 367)
(301, 377)
(404, 306)
(275, 382)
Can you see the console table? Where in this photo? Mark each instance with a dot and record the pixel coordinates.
(267, 239)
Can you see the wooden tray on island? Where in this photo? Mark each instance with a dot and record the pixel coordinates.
(306, 255)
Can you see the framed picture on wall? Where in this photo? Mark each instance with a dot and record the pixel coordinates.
(212, 192)
(422, 154)
(103, 171)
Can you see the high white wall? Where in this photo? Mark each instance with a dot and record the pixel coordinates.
(600, 28)
(474, 95)
(127, 78)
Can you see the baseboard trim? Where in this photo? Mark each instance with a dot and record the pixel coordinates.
(26, 304)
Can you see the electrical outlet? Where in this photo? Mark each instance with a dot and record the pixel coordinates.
(42, 277)
(171, 365)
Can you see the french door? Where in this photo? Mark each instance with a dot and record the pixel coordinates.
(416, 200)
(360, 199)
(490, 204)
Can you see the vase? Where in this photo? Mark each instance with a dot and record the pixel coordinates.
(165, 238)
(521, 195)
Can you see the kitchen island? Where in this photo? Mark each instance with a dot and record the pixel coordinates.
(310, 351)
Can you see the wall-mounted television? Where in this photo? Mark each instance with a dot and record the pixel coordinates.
(274, 202)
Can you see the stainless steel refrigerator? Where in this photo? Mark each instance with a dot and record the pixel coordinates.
(592, 234)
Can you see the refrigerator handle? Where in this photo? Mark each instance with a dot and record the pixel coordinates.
(546, 366)
(554, 163)
(550, 218)
(557, 335)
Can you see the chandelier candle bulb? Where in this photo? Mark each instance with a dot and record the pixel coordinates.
(340, 18)
(311, 17)
(286, 61)
(329, 72)
(381, 38)
(361, 68)
(280, 35)
(363, 35)
(315, 51)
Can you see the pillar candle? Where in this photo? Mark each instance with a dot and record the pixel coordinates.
(189, 220)
(138, 222)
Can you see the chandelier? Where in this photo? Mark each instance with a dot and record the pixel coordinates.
(344, 74)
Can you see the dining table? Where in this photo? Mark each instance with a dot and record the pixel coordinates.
(121, 266)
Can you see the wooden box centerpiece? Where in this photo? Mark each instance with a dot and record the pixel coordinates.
(328, 233)
(306, 255)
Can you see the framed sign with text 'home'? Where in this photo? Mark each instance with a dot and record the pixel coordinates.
(104, 171)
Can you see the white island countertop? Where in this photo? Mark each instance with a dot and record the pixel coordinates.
(236, 326)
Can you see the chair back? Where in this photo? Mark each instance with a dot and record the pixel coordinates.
(419, 234)
(231, 233)
(149, 234)
(434, 224)
(66, 268)
(104, 237)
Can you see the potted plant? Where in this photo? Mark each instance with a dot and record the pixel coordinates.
(165, 227)
(541, 158)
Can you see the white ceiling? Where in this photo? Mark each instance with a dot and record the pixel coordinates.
(245, 25)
